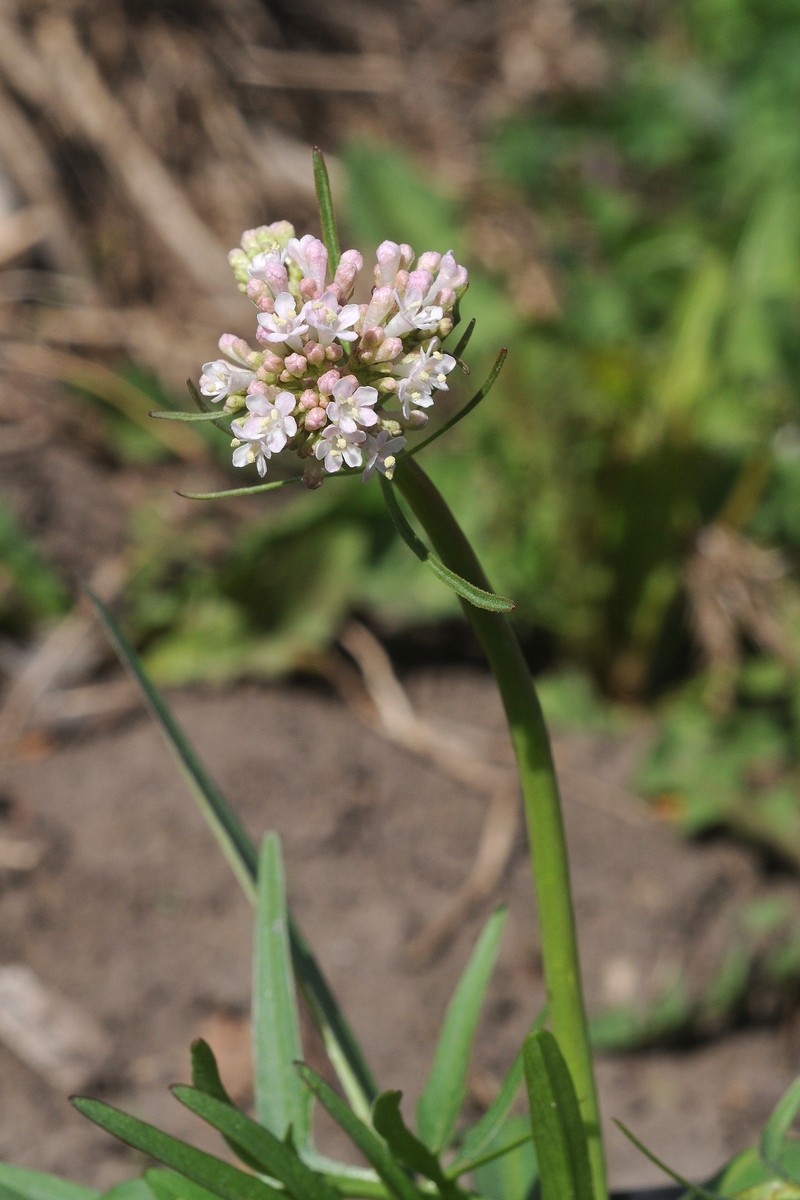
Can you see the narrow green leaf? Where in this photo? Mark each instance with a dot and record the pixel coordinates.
(512, 1175)
(444, 1092)
(281, 1098)
(276, 1158)
(219, 1177)
(326, 216)
(558, 1131)
(468, 407)
(506, 1148)
(405, 1145)
(483, 1132)
(176, 415)
(464, 340)
(36, 1185)
(694, 1188)
(201, 406)
(350, 1180)
(362, 1136)
(462, 587)
(242, 491)
(7, 1193)
(206, 1078)
(166, 1185)
(773, 1139)
(129, 1189)
(342, 1047)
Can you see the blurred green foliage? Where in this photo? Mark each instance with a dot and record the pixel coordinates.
(30, 589)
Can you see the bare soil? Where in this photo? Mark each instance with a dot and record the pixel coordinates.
(134, 915)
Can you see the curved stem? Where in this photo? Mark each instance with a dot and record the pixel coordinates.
(542, 804)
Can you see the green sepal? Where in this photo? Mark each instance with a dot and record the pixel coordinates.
(558, 1132)
(326, 215)
(481, 394)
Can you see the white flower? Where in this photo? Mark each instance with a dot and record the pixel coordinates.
(284, 325)
(414, 313)
(219, 379)
(336, 446)
(270, 421)
(249, 451)
(450, 275)
(421, 373)
(327, 319)
(352, 405)
(311, 257)
(380, 452)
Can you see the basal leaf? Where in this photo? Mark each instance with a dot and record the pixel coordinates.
(36, 1185)
(558, 1132)
(444, 1092)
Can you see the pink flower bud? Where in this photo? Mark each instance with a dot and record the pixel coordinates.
(447, 297)
(406, 255)
(334, 352)
(257, 388)
(277, 278)
(272, 362)
(315, 353)
(317, 259)
(255, 289)
(388, 385)
(283, 230)
(265, 304)
(235, 347)
(380, 305)
(372, 338)
(313, 474)
(309, 399)
(325, 382)
(429, 261)
(420, 279)
(295, 364)
(417, 419)
(389, 350)
(349, 266)
(315, 418)
(445, 327)
(388, 255)
(401, 281)
(309, 289)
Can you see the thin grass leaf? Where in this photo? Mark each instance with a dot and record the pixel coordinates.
(468, 407)
(342, 1047)
(405, 1145)
(558, 1131)
(276, 1158)
(166, 1185)
(206, 1078)
(326, 216)
(464, 340)
(219, 1177)
(281, 1098)
(773, 1139)
(462, 587)
(445, 1090)
(362, 1136)
(36, 1185)
(694, 1188)
(484, 1131)
(242, 491)
(176, 415)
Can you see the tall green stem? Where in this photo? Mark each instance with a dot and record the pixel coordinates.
(542, 804)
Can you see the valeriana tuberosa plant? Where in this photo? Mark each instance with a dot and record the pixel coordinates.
(345, 386)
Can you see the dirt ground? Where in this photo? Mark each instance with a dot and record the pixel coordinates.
(134, 915)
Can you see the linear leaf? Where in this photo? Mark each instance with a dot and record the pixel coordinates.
(177, 415)
(342, 1047)
(206, 1078)
(513, 1174)
(37, 1185)
(483, 1132)
(352, 1181)
(558, 1130)
(500, 1151)
(242, 491)
(464, 340)
(468, 407)
(219, 1177)
(405, 1145)
(167, 1185)
(694, 1188)
(276, 1157)
(462, 587)
(444, 1092)
(773, 1139)
(326, 215)
(201, 406)
(362, 1136)
(281, 1098)
(129, 1189)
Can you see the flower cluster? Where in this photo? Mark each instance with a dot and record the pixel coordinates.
(335, 381)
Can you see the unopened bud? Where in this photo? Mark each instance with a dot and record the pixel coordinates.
(445, 327)
(349, 266)
(447, 297)
(255, 289)
(313, 475)
(325, 382)
(295, 364)
(388, 385)
(257, 388)
(389, 256)
(372, 338)
(276, 277)
(315, 418)
(406, 255)
(309, 289)
(389, 350)
(309, 399)
(421, 279)
(429, 261)
(334, 352)
(417, 419)
(380, 305)
(315, 353)
(392, 427)
(272, 363)
(233, 404)
(401, 281)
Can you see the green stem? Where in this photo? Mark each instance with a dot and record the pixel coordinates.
(542, 804)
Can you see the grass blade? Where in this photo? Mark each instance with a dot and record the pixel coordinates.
(225, 1181)
(276, 1158)
(242, 491)
(444, 1092)
(326, 216)
(558, 1131)
(694, 1188)
(462, 587)
(405, 1145)
(342, 1047)
(166, 1185)
(281, 1098)
(773, 1139)
(36, 1185)
(483, 1132)
(468, 407)
(362, 1136)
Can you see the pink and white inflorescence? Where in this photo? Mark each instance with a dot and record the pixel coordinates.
(337, 382)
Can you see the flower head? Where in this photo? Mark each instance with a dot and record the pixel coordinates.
(352, 405)
(337, 446)
(285, 326)
(270, 420)
(327, 320)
